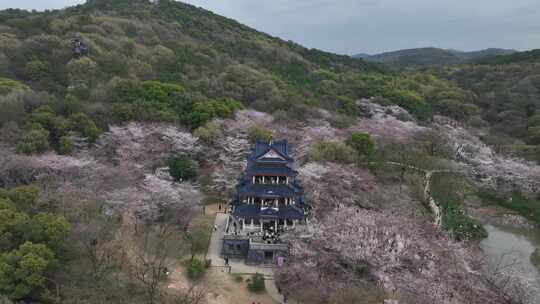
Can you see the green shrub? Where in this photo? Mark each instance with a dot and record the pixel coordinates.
(332, 151)
(256, 284)
(36, 69)
(342, 121)
(363, 144)
(529, 208)
(259, 133)
(83, 124)
(65, 145)
(24, 197)
(155, 100)
(123, 112)
(126, 90)
(361, 270)
(70, 105)
(34, 141)
(48, 229)
(196, 269)
(23, 272)
(347, 106)
(44, 116)
(202, 112)
(29, 244)
(181, 168)
(461, 226)
(209, 133)
(9, 85)
(410, 101)
(12, 106)
(6, 203)
(237, 278)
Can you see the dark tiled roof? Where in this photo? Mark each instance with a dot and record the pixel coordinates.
(271, 160)
(266, 190)
(253, 211)
(270, 170)
(270, 213)
(282, 146)
(291, 213)
(261, 147)
(247, 211)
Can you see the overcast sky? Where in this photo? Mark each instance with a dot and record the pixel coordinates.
(372, 26)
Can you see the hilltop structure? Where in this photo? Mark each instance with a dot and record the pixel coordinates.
(79, 48)
(267, 204)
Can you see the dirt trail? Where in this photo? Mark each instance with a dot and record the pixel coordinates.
(428, 198)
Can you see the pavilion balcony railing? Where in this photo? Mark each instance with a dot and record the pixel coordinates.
(234, 237)
(264, 246)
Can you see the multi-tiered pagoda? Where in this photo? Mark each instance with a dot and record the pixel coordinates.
(267, 204)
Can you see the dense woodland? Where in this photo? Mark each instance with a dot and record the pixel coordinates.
(508, 94)
(175, 63)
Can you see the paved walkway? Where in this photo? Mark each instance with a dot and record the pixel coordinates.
(216, 242)
(238, 266)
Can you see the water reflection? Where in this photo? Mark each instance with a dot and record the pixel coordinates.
(509, 251)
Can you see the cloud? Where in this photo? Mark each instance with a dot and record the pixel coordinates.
(352, 26)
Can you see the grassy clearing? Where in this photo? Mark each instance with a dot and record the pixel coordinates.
(535, 258)
(450, 191)
(201, 231)
(237, 278)
(256, 283)
(181, 245)
(195, 269)
(528, 208)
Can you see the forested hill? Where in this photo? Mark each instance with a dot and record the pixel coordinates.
(527, 56)
(429, 56)
(508, 94)
(178, 63)
(119, 30)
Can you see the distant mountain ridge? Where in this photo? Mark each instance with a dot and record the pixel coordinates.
(430, 56)
(519, 57)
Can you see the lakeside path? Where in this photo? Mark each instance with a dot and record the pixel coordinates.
(238, 266)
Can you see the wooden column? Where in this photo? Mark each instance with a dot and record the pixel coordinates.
(261, 225)
(275, 225)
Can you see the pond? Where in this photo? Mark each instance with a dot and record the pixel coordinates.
(512, 247)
